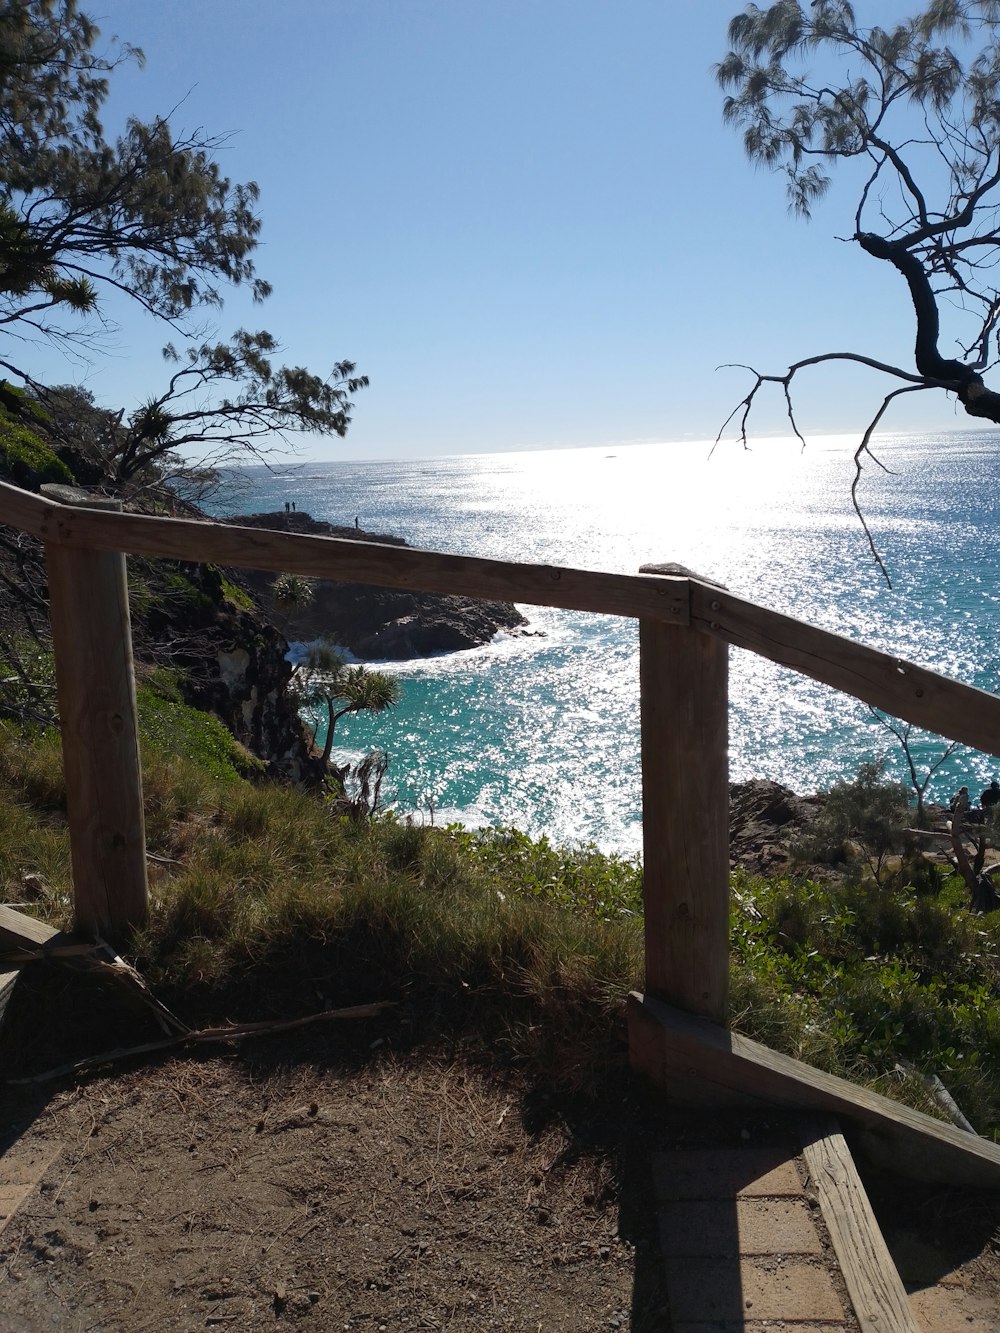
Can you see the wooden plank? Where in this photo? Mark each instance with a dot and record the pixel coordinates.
(20, 931)
(873, 1284)
(698, 1063)
(369, 562)
(20, 509)
(685, 816)
(95, 675)
(8, 980)
(925, 698)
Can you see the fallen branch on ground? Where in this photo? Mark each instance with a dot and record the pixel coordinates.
(231, 1032)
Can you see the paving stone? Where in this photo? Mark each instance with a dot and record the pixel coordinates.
(27, 1159)
(742, 1226)
(707, 1290)
(724, 1173)
(11, 1198)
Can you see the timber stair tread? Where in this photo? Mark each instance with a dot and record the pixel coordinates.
(778, 1234)
(743, 1241)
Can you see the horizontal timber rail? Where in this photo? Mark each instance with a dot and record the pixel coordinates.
(356, 562)
(913, 693)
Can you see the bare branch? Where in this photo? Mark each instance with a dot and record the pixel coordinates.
(865, 448)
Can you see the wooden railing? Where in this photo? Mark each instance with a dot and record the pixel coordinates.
(686, 625)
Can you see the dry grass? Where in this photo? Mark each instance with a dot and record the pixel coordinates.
(266, 904)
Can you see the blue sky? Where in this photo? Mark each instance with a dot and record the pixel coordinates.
(524, 219)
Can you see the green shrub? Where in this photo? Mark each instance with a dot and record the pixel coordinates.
(861, 821)
(882, 973)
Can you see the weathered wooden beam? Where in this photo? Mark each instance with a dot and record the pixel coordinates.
(95, 676)
(8, 980)
(698, 1063)
(367, 562)
(23, 510)
(684, 683)
(20, 932)
(925, 698)
(873, 1284)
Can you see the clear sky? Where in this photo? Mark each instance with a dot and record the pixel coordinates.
(524, 219)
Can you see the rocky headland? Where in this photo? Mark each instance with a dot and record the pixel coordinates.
(387, 624)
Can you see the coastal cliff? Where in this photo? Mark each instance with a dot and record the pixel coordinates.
(385, 624)
(228, 659)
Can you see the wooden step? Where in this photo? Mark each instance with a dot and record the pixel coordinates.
(876, 1291)
(699, 1063)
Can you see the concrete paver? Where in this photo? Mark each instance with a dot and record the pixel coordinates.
(714, 1289)
(741, 1226)
(21, 1170)
(706, 1173)
(741, 1244)
(754, 1326)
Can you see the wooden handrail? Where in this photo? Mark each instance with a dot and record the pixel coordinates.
(914, 693)
(22, 510)
(363, 562)
(925, 698)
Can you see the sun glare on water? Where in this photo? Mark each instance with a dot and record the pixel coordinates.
(542, 732)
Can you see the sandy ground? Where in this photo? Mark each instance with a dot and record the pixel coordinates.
(286, 1185)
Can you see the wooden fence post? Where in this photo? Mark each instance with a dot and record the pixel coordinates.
(684, 684)
(95, 676)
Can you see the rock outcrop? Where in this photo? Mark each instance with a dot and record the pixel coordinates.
(765, 819)
(376, 623)
(230, 661)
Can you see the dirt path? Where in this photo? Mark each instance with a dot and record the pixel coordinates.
(202, 1194)
(405, 1194)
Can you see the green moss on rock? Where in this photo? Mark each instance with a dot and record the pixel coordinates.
(174, 728)
(25, 458)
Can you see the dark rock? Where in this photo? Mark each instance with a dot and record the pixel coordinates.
(765, 820)
(231, 662)
(376, 623)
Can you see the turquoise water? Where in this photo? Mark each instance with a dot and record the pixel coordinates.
(542, 732)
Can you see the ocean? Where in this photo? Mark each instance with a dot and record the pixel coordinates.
(541, 732)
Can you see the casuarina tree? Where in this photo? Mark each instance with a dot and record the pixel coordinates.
(148, 216)
(915, 107)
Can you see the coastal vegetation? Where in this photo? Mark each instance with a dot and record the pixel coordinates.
(324, 681)
(147, 217)
(268, 900)
(267, 903)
